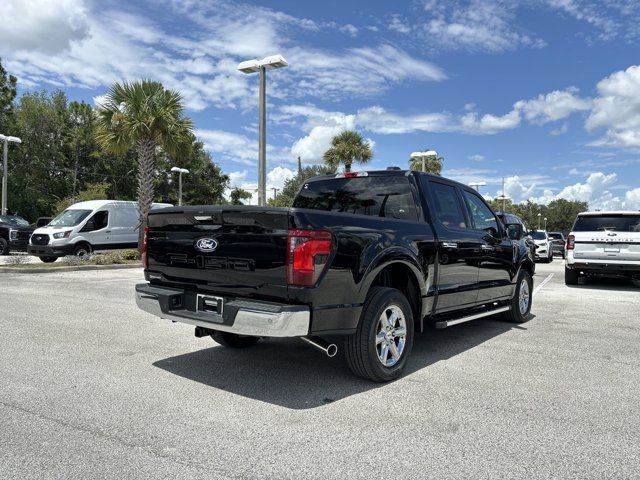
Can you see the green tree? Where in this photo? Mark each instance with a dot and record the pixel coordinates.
(92, 191)
(432, 164)
(347, 147)
(145, 116)
(293, 185)
(8, 93)
(237, 195)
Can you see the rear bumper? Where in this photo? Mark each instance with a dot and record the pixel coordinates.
(604, 268)
(243, 317)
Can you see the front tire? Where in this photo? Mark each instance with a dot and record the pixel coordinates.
(48, 259)
(381, 346)
(4, 247)
(520, 311)
(571, 276)
(82, 251)
(233, 340)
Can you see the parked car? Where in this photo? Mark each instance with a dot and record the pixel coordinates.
(369, 256)
(14, 234)
(603, 243)
(557, 243)
(543, 246)
(86, 227)
(509, 218)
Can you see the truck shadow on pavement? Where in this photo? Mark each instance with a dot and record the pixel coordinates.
(289, 373)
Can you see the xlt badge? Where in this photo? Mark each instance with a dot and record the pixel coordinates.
(206, 244)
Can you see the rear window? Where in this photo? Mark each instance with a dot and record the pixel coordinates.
(556, 236)
(620, 223)
(388, 196)
(538, 235)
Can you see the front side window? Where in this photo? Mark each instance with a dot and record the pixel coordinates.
(99, 221)
(384, 196)
(69, 218)
(481, 215)
(448, 206)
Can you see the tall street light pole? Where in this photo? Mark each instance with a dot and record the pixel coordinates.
(261, 66)
(477, 185)
(539, 215)
(545, 223)
(423, 156)
(5, 171)
(179, 171)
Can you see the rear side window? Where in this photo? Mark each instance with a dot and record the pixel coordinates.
(448, 206)
(620, 223)
(375, 196)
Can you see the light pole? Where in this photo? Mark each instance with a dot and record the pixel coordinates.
(179, 171)
(5, 171)
(261, 66)
(539, 215)
(423, 156)
(545, 223)
(504, 199)
(477, 185)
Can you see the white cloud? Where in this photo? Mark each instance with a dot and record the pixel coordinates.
(236, 178)
(399, 24)
(552, 106)
(349, 30)
(617, 109)
(277, 176)
(42, 25)
(476, 157)
(632, 199)
(561, 130)
(515, 189)
(376, 119)
(312, 146)
(488, 123)
(232, 146)
(475, 26)
(593, 188)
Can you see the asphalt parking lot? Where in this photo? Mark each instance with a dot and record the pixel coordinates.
(91, 387)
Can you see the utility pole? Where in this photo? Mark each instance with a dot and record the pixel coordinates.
(275, 192)
(504, 197)
(299, 166)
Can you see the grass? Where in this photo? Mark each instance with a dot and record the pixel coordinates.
(118, 257)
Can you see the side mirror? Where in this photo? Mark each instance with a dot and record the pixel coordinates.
(515, 231)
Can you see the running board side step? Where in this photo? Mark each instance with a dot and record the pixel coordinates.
(448, 323)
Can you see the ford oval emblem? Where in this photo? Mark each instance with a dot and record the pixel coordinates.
(206, 244)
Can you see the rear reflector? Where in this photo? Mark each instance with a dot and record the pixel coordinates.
(571, 240)
(143, 248)
(307, 256)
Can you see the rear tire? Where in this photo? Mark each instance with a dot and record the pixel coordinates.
(571, 276)
(520, 311)
(4, 247)
(381, 346)
(233, 340)
(48, 259)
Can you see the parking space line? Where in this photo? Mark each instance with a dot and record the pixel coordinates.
(544, 282)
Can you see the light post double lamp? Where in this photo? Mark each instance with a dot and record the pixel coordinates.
(261, 66)
(423, 157)
(179, 171)
(6, 140)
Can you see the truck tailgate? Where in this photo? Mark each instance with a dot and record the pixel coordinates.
(223, 247)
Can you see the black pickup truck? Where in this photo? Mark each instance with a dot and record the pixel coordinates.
(370, 256)
(14, 234)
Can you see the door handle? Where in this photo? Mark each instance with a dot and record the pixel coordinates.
(487, 248)
(449, 244)
(107, 231)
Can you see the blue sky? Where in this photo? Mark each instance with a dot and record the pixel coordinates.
(543, 92)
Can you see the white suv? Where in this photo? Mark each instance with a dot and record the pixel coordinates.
(603, 243)
(544, 251)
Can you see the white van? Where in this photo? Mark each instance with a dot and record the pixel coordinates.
(86, 227)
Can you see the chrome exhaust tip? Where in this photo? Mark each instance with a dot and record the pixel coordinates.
(330, 349)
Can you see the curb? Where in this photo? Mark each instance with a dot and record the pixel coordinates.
(71, 268)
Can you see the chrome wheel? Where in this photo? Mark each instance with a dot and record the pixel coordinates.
(391, 336)
(523, 300)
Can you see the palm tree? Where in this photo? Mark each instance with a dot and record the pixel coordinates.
(432, 164)
(237, 195)
(145, 116)
(347, 147)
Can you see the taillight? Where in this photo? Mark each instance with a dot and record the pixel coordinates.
(352, 174)
(571, 240)
(307, 256)
(143, 248)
